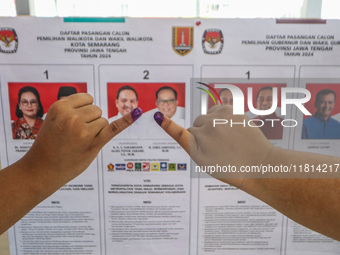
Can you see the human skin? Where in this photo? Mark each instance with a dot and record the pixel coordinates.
(69, 139)
(30, 111)
(312, 202)
(168, 109)
(126, 101)
(325, 105)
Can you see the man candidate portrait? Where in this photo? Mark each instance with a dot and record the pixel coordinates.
(271, 129)
(126, 101)
(166, 101)
(226, 96)
(321, 125)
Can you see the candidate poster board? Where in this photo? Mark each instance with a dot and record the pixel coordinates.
(120, 208)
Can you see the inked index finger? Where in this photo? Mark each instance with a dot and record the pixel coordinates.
(177, 132)
(117, 126)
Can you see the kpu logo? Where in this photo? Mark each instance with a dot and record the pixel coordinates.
(212, 41)
(8, 40)
(238, 104)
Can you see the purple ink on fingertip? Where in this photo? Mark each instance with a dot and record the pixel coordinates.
(159, 117)
(136, 113)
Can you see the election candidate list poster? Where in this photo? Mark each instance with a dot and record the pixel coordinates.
(141, 195)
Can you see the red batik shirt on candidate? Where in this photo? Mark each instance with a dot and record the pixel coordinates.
(21, 129)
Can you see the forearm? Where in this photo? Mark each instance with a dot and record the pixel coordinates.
(309, 201)
(21, 189)
(313, 202)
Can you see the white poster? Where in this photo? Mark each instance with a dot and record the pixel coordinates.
(141, 195)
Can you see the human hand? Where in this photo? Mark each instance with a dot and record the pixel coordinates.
(221, 145)
(312, 202)
(71, 137)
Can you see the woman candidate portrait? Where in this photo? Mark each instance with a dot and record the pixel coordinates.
(29, 111)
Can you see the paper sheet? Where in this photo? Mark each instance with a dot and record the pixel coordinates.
(140, 195)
